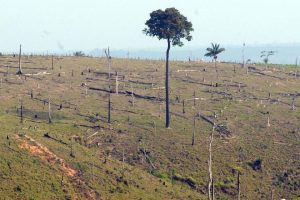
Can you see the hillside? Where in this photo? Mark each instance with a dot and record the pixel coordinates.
(80, 156)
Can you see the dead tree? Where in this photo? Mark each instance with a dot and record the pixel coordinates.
(268, 123)
(123, 159)
(71, 149)
(7, 70)
(52, 65)
(183, 109)
(117, 84)
(62, 180)
(293, 103)
(159, 110)
(86, 90)
(194, 95)
(132, 96)
(239, 185)
(272, 194)
(19, 72)
(21, 111)
(49, 112)
(243, 55)
(210, 182)
(154, 126)
(108, 57)
(146, 154)
(194, 129)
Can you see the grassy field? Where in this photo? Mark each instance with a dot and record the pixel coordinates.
(80, 156)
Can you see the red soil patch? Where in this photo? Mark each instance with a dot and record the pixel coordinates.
(46, 155)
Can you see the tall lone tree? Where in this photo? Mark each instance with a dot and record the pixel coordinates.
(172, 26)
(213, 52)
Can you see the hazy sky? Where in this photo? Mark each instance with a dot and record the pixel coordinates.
(54, 25)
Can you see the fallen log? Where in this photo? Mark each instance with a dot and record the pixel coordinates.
(46, 135)
(128, 93)
(218, 92)
(178, 115)
(101, 73)
(296, 94)
(104, 90)
(90, 126)
(139, 82)
(193, 81)
(143, 96)
(264, 74)
(219, 127)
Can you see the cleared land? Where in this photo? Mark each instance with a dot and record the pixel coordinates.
(80, 156)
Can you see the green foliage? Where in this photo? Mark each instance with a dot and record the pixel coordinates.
(78, 53)
(160, 175)
(256, 165)
(237, 168)
(265, 55)
(188, 180)
(18, 189)
(169, 24)
(214, 50)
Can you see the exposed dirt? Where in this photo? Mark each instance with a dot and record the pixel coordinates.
(37, 149)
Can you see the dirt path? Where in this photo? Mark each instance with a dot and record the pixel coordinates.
(37, 149)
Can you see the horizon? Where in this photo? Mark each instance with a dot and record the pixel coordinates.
(67, 26)
(285, 53)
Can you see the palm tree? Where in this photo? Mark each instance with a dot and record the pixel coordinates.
(265, 55)
(213, 52)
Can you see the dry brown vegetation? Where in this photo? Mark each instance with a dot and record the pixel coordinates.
(135, 157)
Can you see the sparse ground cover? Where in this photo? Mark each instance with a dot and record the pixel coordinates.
(135, 157)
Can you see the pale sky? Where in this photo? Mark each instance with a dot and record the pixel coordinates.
(55, 25)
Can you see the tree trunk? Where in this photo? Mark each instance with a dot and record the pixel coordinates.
(21, 111)
(216, 64)
(210, 182)
(49, 112)
(239, 186)
(194, 95)
(109, 86)
(272, 194)
(109, 107)
(216, 68)
(132, 96)
(117, 84)
(194, 127)
(167, 85)
(52, 66)
(20, 68)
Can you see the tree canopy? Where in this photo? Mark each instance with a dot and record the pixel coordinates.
(214, 50)
(169, 24)
(265, 55)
